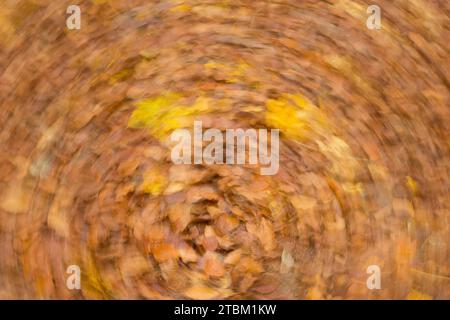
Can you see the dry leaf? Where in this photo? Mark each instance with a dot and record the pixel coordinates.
(213, 265)
(164, 252)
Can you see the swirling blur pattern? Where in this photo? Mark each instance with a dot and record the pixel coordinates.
(86, 177)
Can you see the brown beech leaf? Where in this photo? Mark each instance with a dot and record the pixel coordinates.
(210, 243)
(233, 257)
(187, 254)
(179, 215)
(213, 265)
(164, 252)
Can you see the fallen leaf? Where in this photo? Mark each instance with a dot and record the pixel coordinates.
(213, 266)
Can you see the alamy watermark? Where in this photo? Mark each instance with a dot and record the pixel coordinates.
(234, 146)
(73, 281)
(74, 20)
(374, 280)
(374, 20)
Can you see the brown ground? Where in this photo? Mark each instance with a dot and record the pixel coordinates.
(364, 172)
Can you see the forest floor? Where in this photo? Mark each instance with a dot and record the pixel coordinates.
(85, 171)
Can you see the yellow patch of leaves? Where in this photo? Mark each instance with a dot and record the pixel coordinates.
(181, 8)
(295, 116)
(97, 286)
(165, 113)
(233, 72)
(416, 295)
(119, 76)
(97, 2)
(356, 188)
(154, 183)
